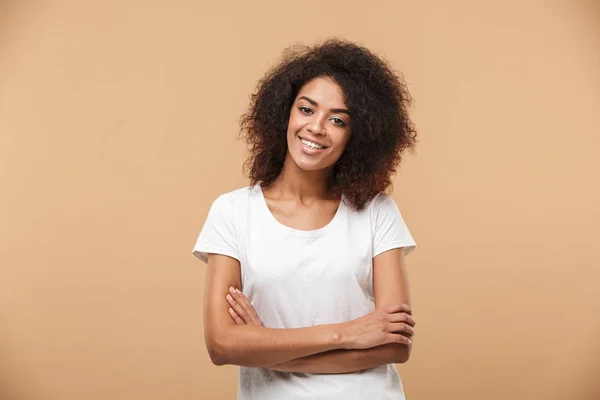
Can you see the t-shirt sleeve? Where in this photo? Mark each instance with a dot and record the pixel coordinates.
(219, 233)
(389, 229)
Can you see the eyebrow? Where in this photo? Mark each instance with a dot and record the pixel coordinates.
(314, 103)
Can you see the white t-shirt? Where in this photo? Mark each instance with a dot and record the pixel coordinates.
(296, 278)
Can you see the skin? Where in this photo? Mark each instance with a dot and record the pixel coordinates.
(299, 198)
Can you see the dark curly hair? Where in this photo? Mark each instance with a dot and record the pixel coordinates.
(375, 95)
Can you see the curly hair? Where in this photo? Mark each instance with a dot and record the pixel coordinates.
(375, 95)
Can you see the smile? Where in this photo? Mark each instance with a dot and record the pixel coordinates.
(311, 144)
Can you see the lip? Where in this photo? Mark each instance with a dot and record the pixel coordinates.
(314, 141)
(311, 151)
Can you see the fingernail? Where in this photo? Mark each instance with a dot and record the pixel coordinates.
(231, 310)
(229, 297)
(231, 289)
(237, 290)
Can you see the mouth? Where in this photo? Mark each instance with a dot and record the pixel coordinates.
(312, 145)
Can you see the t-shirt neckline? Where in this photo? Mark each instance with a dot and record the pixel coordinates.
(298, 232)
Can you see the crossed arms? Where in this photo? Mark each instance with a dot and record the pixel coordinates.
(378, 338)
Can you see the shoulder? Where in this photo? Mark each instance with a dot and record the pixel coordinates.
(381, 203)
(389, 228)
(233, 198)
(378, 204)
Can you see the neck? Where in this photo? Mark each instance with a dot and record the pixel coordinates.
(295, 182)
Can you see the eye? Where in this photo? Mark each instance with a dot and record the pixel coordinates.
(305, 110)
(339, 122)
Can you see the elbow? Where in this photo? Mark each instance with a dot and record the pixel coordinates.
(401, 353)
(402, 358)
(217, 350)
(217, 358)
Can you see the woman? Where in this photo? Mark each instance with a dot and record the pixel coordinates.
(306, 287)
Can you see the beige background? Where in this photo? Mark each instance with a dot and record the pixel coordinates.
(118, 124)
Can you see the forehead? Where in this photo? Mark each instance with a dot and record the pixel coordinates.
(324, 90)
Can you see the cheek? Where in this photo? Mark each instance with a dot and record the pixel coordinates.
(295, 119)
(293, 126)
(341, 141)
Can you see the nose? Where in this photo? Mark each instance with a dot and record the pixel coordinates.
(316, 126)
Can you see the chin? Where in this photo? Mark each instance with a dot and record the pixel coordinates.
(308, 166)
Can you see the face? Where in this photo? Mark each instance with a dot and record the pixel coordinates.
(319, 125)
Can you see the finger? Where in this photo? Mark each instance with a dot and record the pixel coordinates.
(249, 307)
(236, 317)
(401, 327)
(241, 299)
(400, 307)
(237, 308)
(402, 317)
(244, 302)
(397, 338)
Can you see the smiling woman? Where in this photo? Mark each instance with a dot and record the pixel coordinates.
(375, 97)
(306, 265)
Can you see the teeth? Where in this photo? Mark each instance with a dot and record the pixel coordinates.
(311, 144)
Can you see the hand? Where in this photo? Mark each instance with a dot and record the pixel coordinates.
(240, 310)
(393, 324)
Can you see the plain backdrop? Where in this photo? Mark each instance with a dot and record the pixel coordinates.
(118, 128)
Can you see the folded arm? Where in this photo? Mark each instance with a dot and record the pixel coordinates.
(390, 285)
(342, 361)
(256, 346)
(251, 345)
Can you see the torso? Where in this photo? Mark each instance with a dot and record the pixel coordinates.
(306, 265)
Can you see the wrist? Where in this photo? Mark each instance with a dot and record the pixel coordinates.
(341, 339)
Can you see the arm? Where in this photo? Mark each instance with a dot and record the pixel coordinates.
(340, 361)
(252, 345)
(390, 285)
(256, 346)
